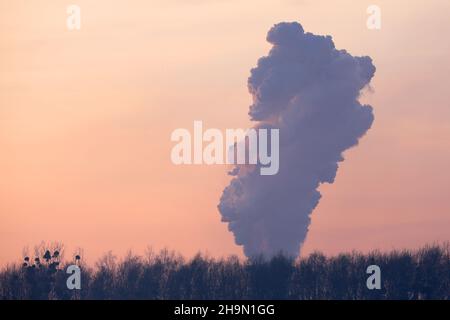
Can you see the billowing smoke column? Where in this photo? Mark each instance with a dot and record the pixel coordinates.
(309, 90)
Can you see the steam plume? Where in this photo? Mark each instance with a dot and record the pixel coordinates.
(309, 90)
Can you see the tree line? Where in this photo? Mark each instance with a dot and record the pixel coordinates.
(420, 274)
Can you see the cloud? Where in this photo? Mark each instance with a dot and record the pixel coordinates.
(309, 90)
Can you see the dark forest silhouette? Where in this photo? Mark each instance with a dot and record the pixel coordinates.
(418, 274)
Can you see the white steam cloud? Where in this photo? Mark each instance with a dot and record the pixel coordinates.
(309, 90)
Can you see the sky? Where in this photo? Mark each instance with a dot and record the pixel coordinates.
(86, 117)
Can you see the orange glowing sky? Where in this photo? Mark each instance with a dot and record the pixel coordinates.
(86, 117)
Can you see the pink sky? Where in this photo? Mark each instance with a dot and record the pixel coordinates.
(86, 117)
